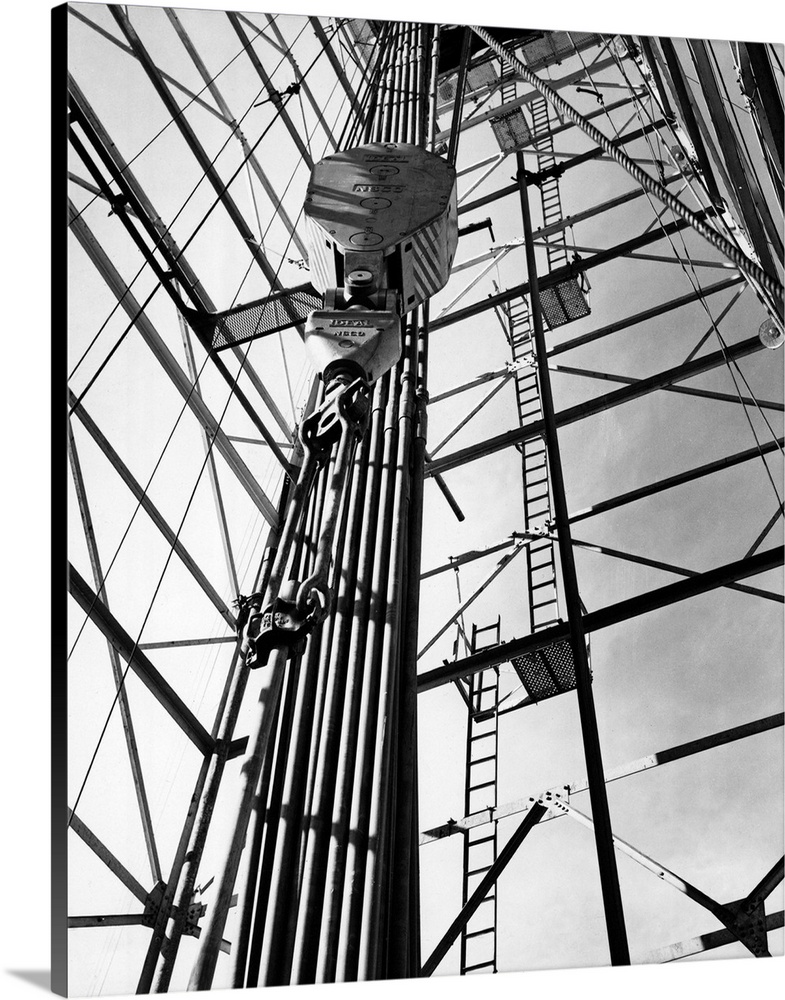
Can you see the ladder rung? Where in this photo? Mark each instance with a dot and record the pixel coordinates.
(482, 736)
(474, 934)
(480, 965)
(482, 760)
(482, 784)
(478, 871)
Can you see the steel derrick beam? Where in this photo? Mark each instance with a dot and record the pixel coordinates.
(490, 878)
(108, 920)
(744, 185)
(742, 912)
(165, 357)
(560, 226)
(122, 694)
(614, 614)
(212, 468)
(593, 406)
(606, 858)
(234, 213)
(562, 273)
(682, 477)
(726, 913)
(683, 589)
(767, 286)
(564, 81)
(645, 315)
(575, 160)
(188, 133)
(670, 568)
(466, 557)
(273, 94)
(143, 209)
(153, 680)
(720, 397)
(250, 156)
(704, 942)
(336, 65)
(479, 380)
(300, 78)
(613, 774)
(195, 98)
(117, 868)
(155, 515)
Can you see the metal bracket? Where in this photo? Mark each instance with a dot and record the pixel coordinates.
(152, 906)
(749, 925)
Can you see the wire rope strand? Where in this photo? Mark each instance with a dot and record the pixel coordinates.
(206, 216)
(766, 285)
(694, 280)
(176, 538)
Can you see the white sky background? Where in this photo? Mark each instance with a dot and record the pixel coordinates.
(26, 939)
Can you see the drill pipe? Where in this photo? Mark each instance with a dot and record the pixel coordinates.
(341, 841)
(350, 935)
(372, 962)
(336, 862)
(280, 944)
(253, 881)
(403, 935)
(320, 832)
(278, 918)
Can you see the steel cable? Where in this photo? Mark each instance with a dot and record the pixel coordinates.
(763, 282)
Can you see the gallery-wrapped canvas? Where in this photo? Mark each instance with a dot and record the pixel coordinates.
(424, 499)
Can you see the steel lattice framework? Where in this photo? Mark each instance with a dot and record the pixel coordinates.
(579, 454)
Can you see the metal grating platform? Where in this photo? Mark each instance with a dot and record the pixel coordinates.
(563, 303)
(554, 45)
(548, 671)
(511, 130)
(256, 319)
(478, 78)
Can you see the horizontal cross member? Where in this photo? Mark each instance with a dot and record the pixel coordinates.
(593, 406)
(605, 617)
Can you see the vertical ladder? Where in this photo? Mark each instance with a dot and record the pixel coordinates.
(478, 938)
(508, 87)
(540, 556)
(549, 188)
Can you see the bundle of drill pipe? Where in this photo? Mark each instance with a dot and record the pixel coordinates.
(324, 859)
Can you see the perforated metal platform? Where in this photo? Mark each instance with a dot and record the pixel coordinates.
(563, 303)
(511, 130)
(256, 319)
(548, 671)
(554, 45)
(477, 78)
